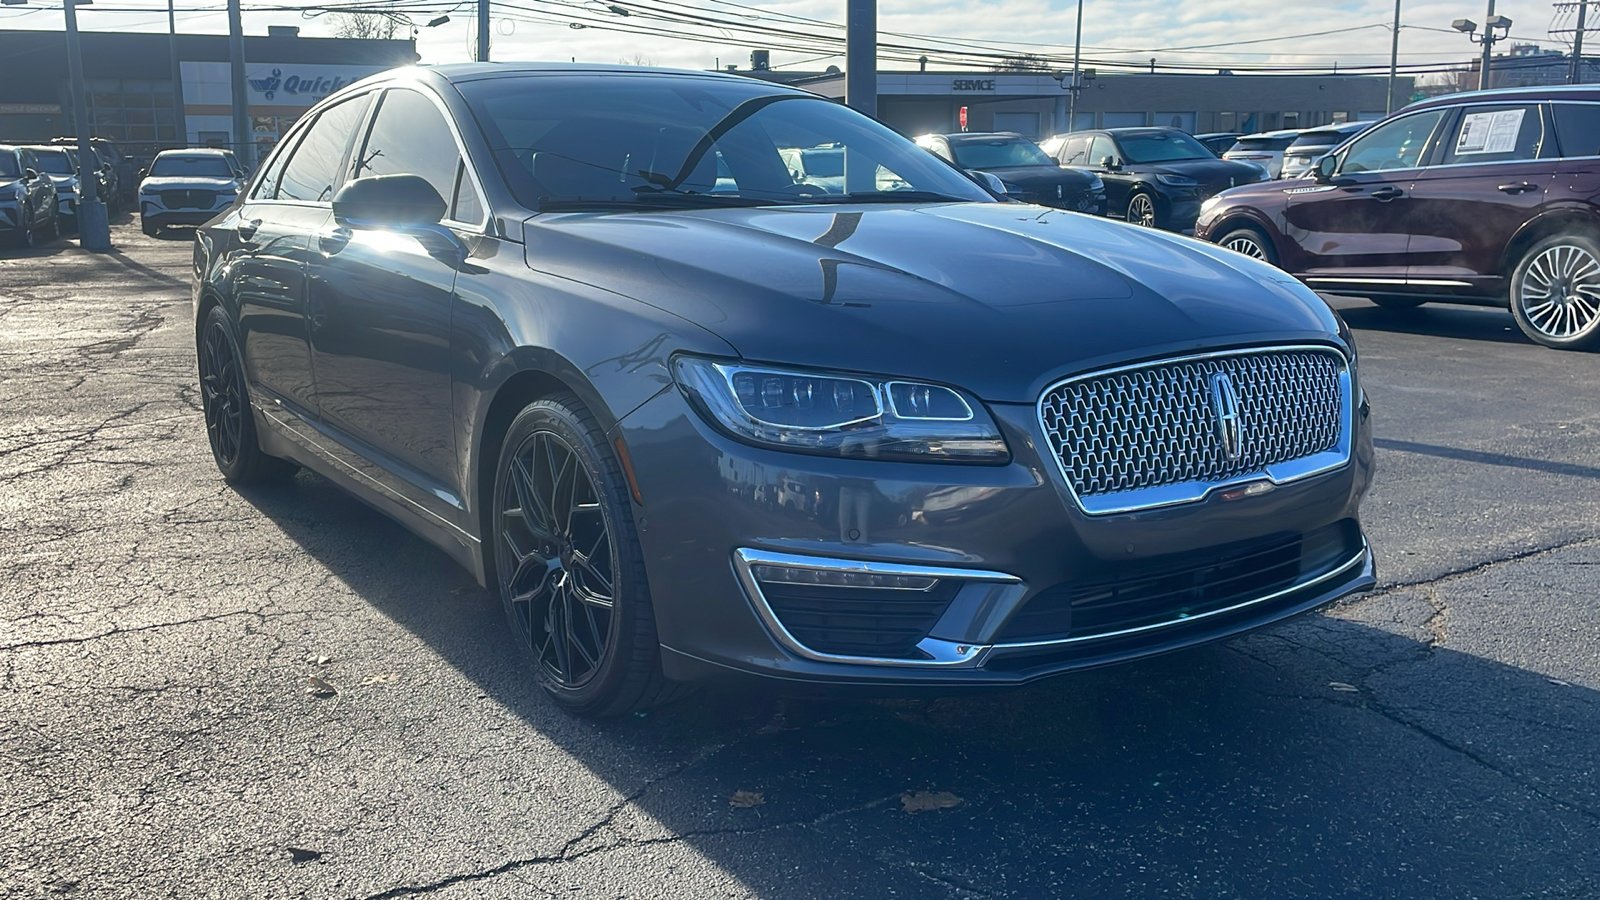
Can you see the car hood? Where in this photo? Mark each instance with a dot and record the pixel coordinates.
(1205, 171)
(187, 183)
(1034, 178)
(1000, 299)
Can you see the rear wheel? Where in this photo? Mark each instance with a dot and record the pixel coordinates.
(1555, 292)
(1247, 241)
(230, 426)
(1142, 210)
(27, 232)
(52, 228)
(568, 564)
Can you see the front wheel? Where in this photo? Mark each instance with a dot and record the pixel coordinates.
(225, 401)
(568, 564)
(1555, 292)
(1142, 210)
(1247, 241)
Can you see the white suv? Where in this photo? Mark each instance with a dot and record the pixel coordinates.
(1265, 149)
(188, 187)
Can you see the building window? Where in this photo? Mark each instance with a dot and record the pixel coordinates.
(133, 111)
(1291, 120)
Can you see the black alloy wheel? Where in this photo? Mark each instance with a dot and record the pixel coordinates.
(1142, 210)
(28, 233)
(568, 565)
(225, 402)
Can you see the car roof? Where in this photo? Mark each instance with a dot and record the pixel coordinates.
(1272, 135)
(456, 72)
(196, 151)
(1340, 127)
(1140, 129)
(984, 136)
(1543, 92)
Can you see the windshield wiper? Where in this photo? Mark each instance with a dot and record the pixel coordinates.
(653, 200)
(893, 197)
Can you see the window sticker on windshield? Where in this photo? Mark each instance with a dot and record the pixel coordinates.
(1490, 132)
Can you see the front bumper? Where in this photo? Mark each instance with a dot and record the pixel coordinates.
(993, 539)
(153, 212)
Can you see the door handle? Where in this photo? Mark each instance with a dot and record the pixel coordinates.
(247, 230)
(334, 240)
(1386, 194)
(1518, 187)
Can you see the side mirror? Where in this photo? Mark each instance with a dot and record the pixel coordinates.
(1109, 163)
(398, 201)
(1323, 171)
(30, 174)
(989, 182)
(143, 174)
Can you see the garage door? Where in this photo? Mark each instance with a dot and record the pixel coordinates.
(1023, 123)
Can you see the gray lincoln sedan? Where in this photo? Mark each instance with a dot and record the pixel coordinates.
(583, 329)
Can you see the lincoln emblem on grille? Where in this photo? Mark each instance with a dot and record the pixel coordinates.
(1225, 400)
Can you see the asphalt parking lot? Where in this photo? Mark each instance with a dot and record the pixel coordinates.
(158, 738)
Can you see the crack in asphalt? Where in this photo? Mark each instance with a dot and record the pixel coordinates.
(115, 632)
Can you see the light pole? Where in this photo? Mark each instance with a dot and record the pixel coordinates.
(1077, 49)
(180, 126)
(94, 225)
(483, 31)
(1575, 74)
(1394, 57)
(1491, 24)
(243, 146)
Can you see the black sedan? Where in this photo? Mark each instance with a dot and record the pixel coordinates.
(1156, 177)
(1026, 173)
(581, 328)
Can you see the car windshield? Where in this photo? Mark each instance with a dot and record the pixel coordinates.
(642, 142)
(1000, 153)
(203, 166)
(1158, 147)
(56, 162)
(8, 164)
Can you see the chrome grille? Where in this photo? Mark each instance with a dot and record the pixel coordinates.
(1149, 435)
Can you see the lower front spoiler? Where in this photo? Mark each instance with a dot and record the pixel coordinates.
(163, 219)
(1019, 664)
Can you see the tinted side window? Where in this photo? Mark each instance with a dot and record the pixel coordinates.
(1495, 134)
(1076, 152)
(1100, 148)
(1392, 145)
(410, 137)
(1578, 129)
(267, 187)
(313, 171)
(467, 206)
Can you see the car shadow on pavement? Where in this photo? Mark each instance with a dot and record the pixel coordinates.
(1442, 320)
(1321, 758)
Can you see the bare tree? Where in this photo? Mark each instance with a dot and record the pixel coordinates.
(638, 59)
(368, 26)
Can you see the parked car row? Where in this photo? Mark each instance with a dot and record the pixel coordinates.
(39, 191)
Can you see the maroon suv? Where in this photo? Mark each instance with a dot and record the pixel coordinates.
(1487, 197)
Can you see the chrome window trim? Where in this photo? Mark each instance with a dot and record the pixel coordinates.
(1161, 496)
(946, 654)
(1358, 559)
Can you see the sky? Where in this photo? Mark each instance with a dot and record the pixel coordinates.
(1172, 31)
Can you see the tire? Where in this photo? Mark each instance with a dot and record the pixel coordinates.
(573, 585)
(149, 228)
(28, 234)
(1555, 292)
(1398, 303)
(53, 230)
(1142, 210)
(1249, 241)
(225, 400)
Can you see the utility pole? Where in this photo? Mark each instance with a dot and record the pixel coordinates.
(1575, 75)
(180, 125)
(242, 145)
(1077, 82)
(1394, 57)
(94, 225)
(861, 56)
(483, 30)
(1488, 48)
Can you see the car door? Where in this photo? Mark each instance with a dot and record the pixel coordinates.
(1577, 127)
(1118, 183)
(1493, 173)
(272, 251)
(1355, 230)
(381, 302)
(40, 190)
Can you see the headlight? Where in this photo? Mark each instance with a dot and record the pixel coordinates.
(1177, 180)
(1096, 186)
(839, 414)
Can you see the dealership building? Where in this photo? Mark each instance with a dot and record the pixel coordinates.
(1035, 103)
(134, 102)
